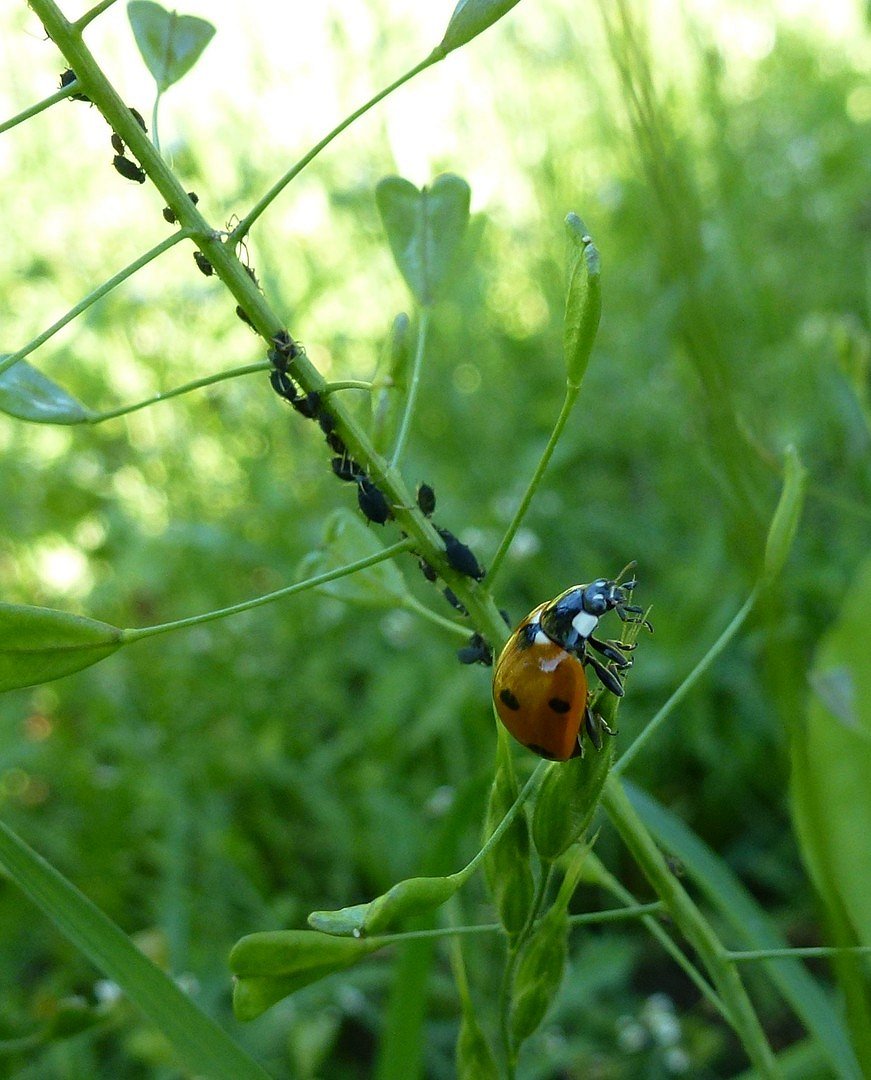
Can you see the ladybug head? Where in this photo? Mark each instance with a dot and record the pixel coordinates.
(574, 615)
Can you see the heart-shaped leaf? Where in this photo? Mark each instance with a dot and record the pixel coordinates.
(39, 644)
(425, 229)
(472, 17)
(29, 395)
(170, 43)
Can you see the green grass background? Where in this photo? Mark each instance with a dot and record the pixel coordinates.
(307, 755)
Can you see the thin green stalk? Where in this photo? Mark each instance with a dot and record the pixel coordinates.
(411, 603)
(692, 925)
(589, 918)
(689, 682)
(186, 388)
(347, 384)
(502, 550)
(655, 929)
(90, 15)
(93, 297)
(813, 951)
(155, 138)
(136, 634)
(40, 106)
(495, 836)
(244, 226)
(413, 387)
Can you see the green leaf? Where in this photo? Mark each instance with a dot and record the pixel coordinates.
(539, 973)
(425, 229)
(170, 43)
(348, 539)
(475, 1060)
(473, 17)
(784, 524)
(29, 395)
(753, 929)
(568, 799)
(39, 644)
(271, 965)
(583, 299)
(201, 1045)
(506, 864)
(833, 804)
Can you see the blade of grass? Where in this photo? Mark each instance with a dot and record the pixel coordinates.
(203, 1046)
(725, 892)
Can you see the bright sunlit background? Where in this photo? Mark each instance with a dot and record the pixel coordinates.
(210, 783)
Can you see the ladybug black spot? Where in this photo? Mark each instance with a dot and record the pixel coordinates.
(540, 750)
(558, 705)
(507, 698)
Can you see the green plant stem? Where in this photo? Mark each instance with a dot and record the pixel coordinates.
(93, 297)
(90, 15)
(692, 925)
(689, 682)
(589, 918)
(483, 613)
(495, 836)
(186, 388)
(411, 603)
(40, 106)
(136, 634)
(568, 404)
(244, 226)
(810, 952)
(655, 929)
(413, 387)
(347, 384)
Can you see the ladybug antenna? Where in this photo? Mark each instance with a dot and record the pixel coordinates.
(629, 566)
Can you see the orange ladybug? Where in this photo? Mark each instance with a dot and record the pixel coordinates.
(540, 688)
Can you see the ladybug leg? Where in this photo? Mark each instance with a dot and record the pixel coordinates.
(611, 650)
(607, 675)
(592, 723)
(626, 611)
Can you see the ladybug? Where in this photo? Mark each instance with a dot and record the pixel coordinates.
(540, 689)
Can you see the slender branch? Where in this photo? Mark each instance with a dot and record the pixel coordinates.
(40, 106)
(186, 388)
(89, 16)
(692, 925)
(689, 682)
(93, 297)
(414, 386)
(244, 226)
(568, 403)
(135, 634)
(411, 603)
(813, 951)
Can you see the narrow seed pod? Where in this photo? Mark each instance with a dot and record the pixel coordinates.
(539, 973)
(506, 865)
(407, 898)
(567, 800)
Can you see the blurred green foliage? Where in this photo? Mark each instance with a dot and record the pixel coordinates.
(307, 755)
